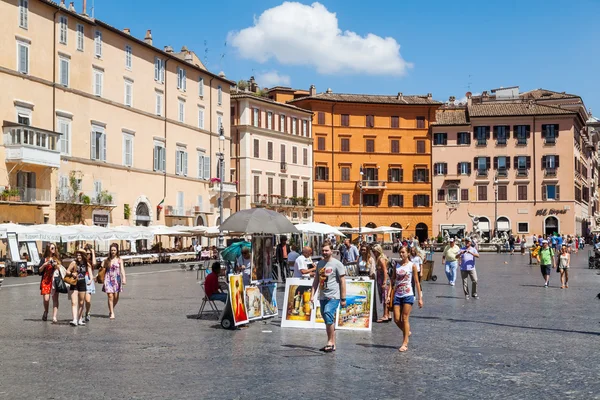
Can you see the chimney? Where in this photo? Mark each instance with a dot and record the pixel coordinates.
(168, 49)
(312, 91)
(400, 96)
(62, 4)
(484, 95)
(84, 7)
(148, 38)
(127, 31)
(469, 99)
(452, 99)
(329, 90)
(188, 56)
(429, 95)
(72, 6)
(184, 49)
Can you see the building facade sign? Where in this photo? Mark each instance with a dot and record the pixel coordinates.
(552, 211)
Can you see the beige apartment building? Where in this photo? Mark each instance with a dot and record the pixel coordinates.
(526, 160)
(103, 128)
(272, 154)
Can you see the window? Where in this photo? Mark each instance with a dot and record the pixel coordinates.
(305, 156)
(282, 123)
(181, 159)
(256, 117)
(321, 143)
(345, 199)
(440, 169)
(305, 189)
(483, 165)
(269, 150)
(98, 44)
(522, 164)
(321, 199)
(80, 37)
(98, 144)
(159, 102)
(127, 150)
(181, 108)
(501, 164)
(370, 121)
(294, 188)
(440, 139)
(160, 157)
(304, 128)
(128, 93)
(420, 147)
(321, 173)
(23, 13)
(420, 122)
(23, 57)
(62, 29)
(204, 168)
(282, 187)
(420, 174)
(321, 118)
(395, 200)
(294, 155)
(159, 70)
(482, 134)
(501, 134)
(345, 120)
(395, 175)
(550, 133)
(395, 122)
(452, 194)
(345, 144)
(550, 164)
(441, 195)
(256, 186)
(502, 192)
(345, 174)
(523, 227)
(24, 117)
(201, 87)
(522, 192)
(370, 146)
(181, 79)
(63, 71)
(464, 194)
(464, 138)
(64, 127)
(256, 148)
(521, 132)
(282, 155)
(577, 193)
(464, 168)
(421, 200)
(219, 121)
(220, 95)
(549, 192)
(98, 82)
(482, 193)
(395, 146)
(370, 200)
(294, 125)
(128, 57)
(269, 120)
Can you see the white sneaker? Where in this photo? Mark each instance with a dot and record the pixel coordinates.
(451, 283)
(73, 323)
(81, 322)
(467, 297)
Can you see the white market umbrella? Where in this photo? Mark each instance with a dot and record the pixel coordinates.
(125, 232)
(315, 227)
(354, 230)
(24, 232)
(386, 229)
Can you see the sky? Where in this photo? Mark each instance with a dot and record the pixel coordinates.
(382, 47)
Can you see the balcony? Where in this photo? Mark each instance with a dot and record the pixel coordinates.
(25, 196)
(502, 172)
(283, 166)
(276, 201)
(28, 145)
(229, 189)
(368, 184)
(171, 211)
(522, 173)
(550, 172)
(482, 172)
(103, 199)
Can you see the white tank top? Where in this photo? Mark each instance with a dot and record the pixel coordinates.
(403, 282)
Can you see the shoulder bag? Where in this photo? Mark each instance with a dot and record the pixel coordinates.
(101, 274)
(60, 285)
(70, 280)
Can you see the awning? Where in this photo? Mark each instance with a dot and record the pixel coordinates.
(484, 225)
(503, 226)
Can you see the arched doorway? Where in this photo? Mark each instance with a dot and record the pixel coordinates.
(200, 221)
(422, 232)
(346, 225)
(369, 237)
(399, 234)
(142, 218)
(484, 226)
(503, 225)
(551, 225)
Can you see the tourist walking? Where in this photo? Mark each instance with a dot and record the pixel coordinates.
(523, 244)
(330, 282)
(404, 295)
(564, 262)
(546, 260)
(49, 264)
(78, 269)
(114, 279)
(468, 254)
(511, 244)
(89, 282)
(349, 252)
(281, 257)
(383, 281)
(450, 260)
(417, 260)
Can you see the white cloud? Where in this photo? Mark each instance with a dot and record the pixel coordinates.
(298, 34)
(272, 78)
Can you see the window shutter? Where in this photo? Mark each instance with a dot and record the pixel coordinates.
(544, 196)
(103, 147)
(184, 80)
(487, 163)
(177, 162)
(458, 171)
(185, 164)
(426, 200)
(544, 131)
(163, 154)
(557, 192)
(507, 162)
(414, 175)
(389, 174)
(206, 167)
(528, 162)
(156, 69)
(476, 162)
(556, 130)
(495, 162)
(544, 162)
(445, 169)
(426, 175)
(326, 173)
(23, 59)
(376, 174)
(469, 168)
(200, 166)
(156, 165)
(556, 161)
(468, 138)
(528, 131)
(93, 145)
(496, 128)
(516, 162)
(487, 132)
(415, 200)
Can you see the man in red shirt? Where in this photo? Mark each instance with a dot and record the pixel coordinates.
(211, 285)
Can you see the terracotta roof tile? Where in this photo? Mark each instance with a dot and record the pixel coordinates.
(544, 94)
(457, 116)
(250, 95)
(511, 109)
(370, 98)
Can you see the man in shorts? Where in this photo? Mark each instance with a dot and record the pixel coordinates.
(546, 260)
(330, 281)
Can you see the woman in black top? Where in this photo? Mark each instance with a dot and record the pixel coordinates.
(78, 269)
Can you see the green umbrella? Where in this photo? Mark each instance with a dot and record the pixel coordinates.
(232, 252)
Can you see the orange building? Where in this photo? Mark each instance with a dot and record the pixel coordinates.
(385, 137)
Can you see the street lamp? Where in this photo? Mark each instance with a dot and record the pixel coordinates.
(221, 166)
(360, 203)
(496, 204)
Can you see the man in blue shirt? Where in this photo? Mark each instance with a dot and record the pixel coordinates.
(468, 254)
(350, 253)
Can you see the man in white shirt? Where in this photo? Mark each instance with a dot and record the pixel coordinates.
(304, 266)
(292, 257)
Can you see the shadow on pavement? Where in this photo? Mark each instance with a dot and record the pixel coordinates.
(376, 346)
(451, 297)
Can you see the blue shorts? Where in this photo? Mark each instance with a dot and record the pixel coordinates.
(399, 301)
(328, 310)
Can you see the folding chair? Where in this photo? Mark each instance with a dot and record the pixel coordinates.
(213, 306)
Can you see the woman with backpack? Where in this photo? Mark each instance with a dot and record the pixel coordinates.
(383, 281)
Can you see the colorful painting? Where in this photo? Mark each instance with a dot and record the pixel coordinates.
(297, 308)
(253, 302)
(358, 313)
(269, 299)
(257, 259)
(236, 297)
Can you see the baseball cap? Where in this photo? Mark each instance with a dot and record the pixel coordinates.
(544, 241)
(451, 239)
(467, 239)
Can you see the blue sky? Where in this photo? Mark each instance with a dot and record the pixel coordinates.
(446, 47)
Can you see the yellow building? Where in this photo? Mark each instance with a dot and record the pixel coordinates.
(386, 138)
(101, 127)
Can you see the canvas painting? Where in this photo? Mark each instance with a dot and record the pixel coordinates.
(253, 302)
(257, 259)
(297, 309)
(269, 299)
(357, 315)
(236, 297)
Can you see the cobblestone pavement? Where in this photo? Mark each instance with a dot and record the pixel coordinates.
(519, 341)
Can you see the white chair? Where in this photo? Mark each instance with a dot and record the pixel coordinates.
(205, 300)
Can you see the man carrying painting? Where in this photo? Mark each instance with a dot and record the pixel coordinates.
(332, 291)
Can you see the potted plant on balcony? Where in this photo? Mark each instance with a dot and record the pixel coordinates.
(4, 195)
(126, 211)
(11, 195)
(85, 199)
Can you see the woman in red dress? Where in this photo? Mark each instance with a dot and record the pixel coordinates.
(50, 263)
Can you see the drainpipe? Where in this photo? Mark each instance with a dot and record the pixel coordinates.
(332, 158)
(54, 70)
(210, 153)
(534, 166)
(165, 127)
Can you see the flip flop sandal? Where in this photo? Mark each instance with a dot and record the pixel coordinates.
(329, 349)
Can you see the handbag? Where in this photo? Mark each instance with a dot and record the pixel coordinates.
(70, 280)
(101, 274)
(60, 285)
